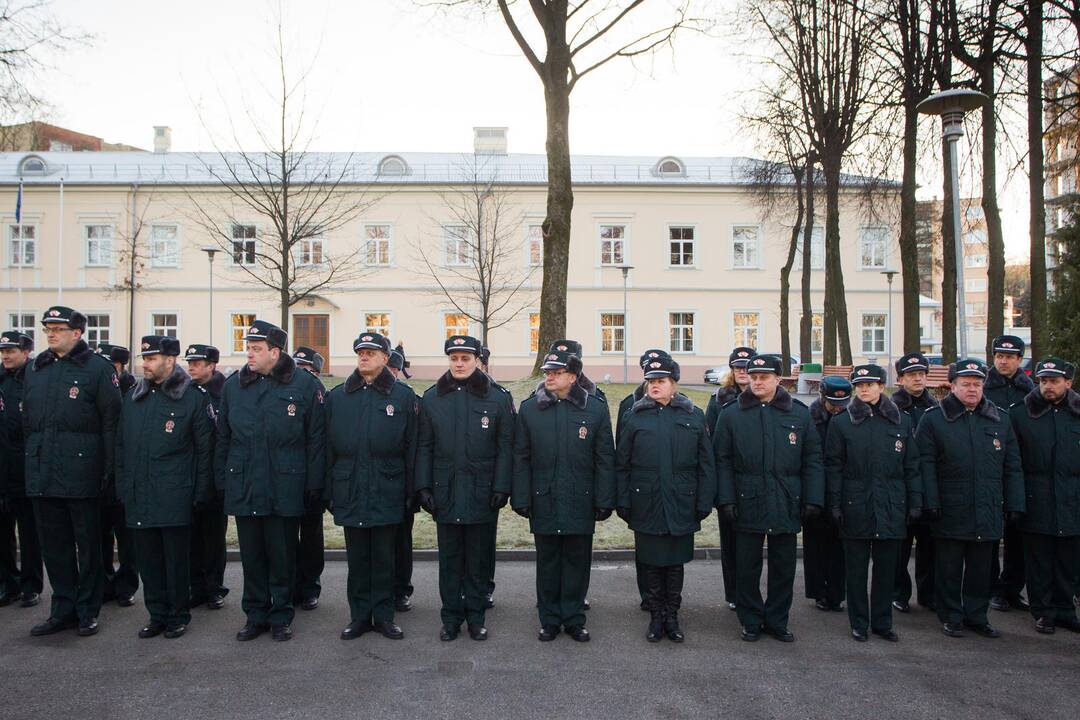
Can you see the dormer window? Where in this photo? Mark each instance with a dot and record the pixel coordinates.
(393, 165)
(670, 167)
(32, 165)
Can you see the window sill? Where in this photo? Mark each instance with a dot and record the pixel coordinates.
(683, 267)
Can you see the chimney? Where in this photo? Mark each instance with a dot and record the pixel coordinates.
(162, 138)
(489, 140)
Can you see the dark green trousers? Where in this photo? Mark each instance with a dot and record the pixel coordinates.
(1053, 566)
(121, 579)
(727, 556)
(70, 534)
(268, 556)
(873, 612)
(163, 556)
(1007, 567)
(563, 563)
(771, 612)
(920, 536)
(208, 527)
(823, 561)
(465, 570)
(403, 556)
(370, 586)
(962, 580)
(310, 556)
(27, 574)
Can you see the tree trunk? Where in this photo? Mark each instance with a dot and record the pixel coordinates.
(948, 266)
(785, 277)
(1037, 223)
(909, 244)
(806, 323)
(995, 273)
(835, 300)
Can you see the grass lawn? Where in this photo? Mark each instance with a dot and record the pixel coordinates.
(514, 530)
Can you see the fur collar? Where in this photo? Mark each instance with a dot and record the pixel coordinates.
(1037, 406)
(818, 414)
(173, 388)
(859, 411)
(639, 391)
(384, 381)
(905, 400)
(478, 383)
(215, 385)
(781, 402)
(18, 373)
(1020, 380)
(724, 395)
(679, 402)
(577, 396)
(282, 371)
(954, 409)
(80, 355)
(586, 384)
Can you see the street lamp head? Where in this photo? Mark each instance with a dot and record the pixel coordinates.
(889, 274)
(951, 105)
(210, 251)
(625, 269)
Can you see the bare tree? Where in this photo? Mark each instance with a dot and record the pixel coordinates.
(478, 261)
(132, 253)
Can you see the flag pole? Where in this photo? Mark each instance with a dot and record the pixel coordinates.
(60, 250)
(22, 255)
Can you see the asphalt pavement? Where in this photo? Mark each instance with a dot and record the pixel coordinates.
(824, 674)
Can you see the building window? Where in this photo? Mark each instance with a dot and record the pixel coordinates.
(612, 332)
(975, 309)
(973, 212)
(745, 252)
(817, 249)
(164, 246)
(97, 330)
(456, 324)
(681, 246)
(670, 167)
(239, 323)
(975, 261)
(57, 146)
(975, 237)
(377, 244)
(243, 244)
(22, 245)
(534, 332)
(99, 245)
(975, 285)
(24, 323)
(873, 332)
(164, 324)
(309, 251)
(378, 323)
(612, 244)
(393, 165)
(32, 165)
(534, 235)
(745, 327)
(873, 248)
(456, 244)
(681, 332)
(817, 332)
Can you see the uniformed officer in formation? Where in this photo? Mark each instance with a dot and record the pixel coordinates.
(1047, 427)
(310, 556)
(971, 471)
(873, 488)
(121, 579)
(403, 541)
(913, 399)
(485, 360)
(770, 477)
(823, 551)
(269, 461)
(666, 478)
(164, 443)
(209, 522)
(71, 405)
(20, 582)
(1006, 385)
(564, 482)
(463, 478)
(371, 460)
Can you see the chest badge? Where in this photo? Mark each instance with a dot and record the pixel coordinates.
(583, 432)
(485, 421)
(899, 446)
(115, 381)
(291, 409)
(792, 438)
(997, 444)
(73, 393)
(389, 411)
(169, 426)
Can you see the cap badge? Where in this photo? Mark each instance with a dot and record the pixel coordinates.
(862, 371)
(759, 361)
(169, 425)
(459, 341)
(1006, 344)
(300, 354)
(5, 339)
(652, 354)
(1049, 365)
(73, 393)
(743, 353)
(191, 351)
(54, 313)
(654, 364)
(146, 346)
(583, 432)
(553, 356)
(972, 366)
(366, 338)
(389, 411)
(792, 438)
(561, 348)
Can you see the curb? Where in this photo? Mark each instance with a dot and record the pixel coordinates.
(522, 554)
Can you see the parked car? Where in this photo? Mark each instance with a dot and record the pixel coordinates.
(716, 375)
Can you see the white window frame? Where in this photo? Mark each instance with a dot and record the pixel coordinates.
(15, 323)
(254, 245)
(153, 329)
(692, 227)
(308, 245)
(531, 239)
(817, 240)
(377, 242)
(155, 260)
(461, 240)
(600, 331)
(970, 260)
(389, 322)
(458, 331)
(863, 238)
(528, 330)
(89, 330)
(232, 328)
(10, 242)
(735, 329)
(863, 328)
(759, 247)
(106, 245)
(693, 331)
(976, 285)
(624, 243)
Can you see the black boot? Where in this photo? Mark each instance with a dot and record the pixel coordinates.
(672, 602)
(654, 598)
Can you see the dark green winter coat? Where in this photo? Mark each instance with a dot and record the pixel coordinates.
(665, 468)
(1005, 392)
(768, 462)
(70, 409)
(717, 401)
(270, 446)
(872, 470)
(970, 469)
(625, 406)
(12, 476)
(1049, 440)
(370, 450)
(465, 448)
(564, 462)
(163, 447)
(914, 407)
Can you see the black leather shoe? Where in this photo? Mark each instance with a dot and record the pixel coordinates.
(30, 599)
(838, 607)
(402, 603)
(7, 598)
(889, 635)
(174, 631)
(781, 635)
(578, 633)
(954, 630)
(449, 633)
(216, 602)
(986, 630)
(489, 601)
(731, 606)
(1045, 626)
(750, 634)
(152, 629)
(999, 603)
(390, 630)
(1069, 623)
(355, 629)
(674, 632)
(53, 626)
(588, 605)
(88, 627)
(548, 633)
(281, 633)
(1018, 603)
(655, 633)
(901, 606)
(478, 632)
(859, 635)
(125, 600)
(250, 631)
(821, 605)
(309, 603)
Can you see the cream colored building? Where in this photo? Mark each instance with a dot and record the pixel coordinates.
(705, 262)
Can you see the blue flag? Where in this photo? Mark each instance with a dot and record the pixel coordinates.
(18, 205)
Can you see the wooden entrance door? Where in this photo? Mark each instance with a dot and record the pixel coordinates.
(313, 331)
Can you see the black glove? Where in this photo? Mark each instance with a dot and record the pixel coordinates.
(522, 511)
(603, 514)
(427, 501)
(1012, 517)
(837, 516)
(702, 514)
(932, 514)
(811, 512)
(5, 506)
(914, 515)
(313, 500)
(498, 500)
(328, 505)
(623, 513)
(731, 512)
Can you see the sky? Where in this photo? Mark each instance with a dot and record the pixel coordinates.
(394, 76)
